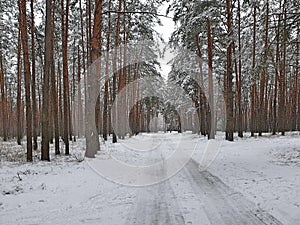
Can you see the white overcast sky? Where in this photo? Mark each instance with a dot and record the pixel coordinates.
(165, 30)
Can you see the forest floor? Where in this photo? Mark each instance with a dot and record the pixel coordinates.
(250, 181)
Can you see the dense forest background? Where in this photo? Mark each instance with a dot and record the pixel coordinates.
(237, 61)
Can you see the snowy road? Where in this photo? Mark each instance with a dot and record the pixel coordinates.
(156, 205)
(213, 202)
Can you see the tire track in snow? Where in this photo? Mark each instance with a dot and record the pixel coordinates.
(222, 204)
(157, 204)
(212, 201)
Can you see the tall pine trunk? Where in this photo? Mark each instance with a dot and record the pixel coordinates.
(114, 113)
(33, 82)
(298, 78)
(54, 92)
(19, 92)
(211, 113)
(46, 83)
(200, 103)
(239, 80)
(277, 62)
(106, 94)
(282, 82)
(3, 100)
(229, 77)
(263, 80)
(92, 138)
(27, 77)
(81, 123)
(66, 100)
(253, 86)
(79, 100)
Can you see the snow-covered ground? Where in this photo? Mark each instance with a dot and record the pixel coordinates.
(265, 170)
(64, 191)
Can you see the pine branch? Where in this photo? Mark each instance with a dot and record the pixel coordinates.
(136, 12)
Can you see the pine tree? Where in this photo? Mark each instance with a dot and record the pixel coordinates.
(229, 77)
(33, 79)
(46, 83)
(27, 76)
(66, 98)
(3, 99)
(92, 139)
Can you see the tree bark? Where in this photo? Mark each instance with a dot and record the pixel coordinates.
(54, 92)
(66, 100)
(46, 83)
(114, 113)
(229, 99)
(298, 78)
(92, 138)
(19, 91)
(3, 100)
(263, 80)
(105, 106)
(33, 95)
(200, 101)
(211, 114)
(82, 128)
(277, 62)
(239, 80)
(282, 83)
(253, 88)
(27, 77)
